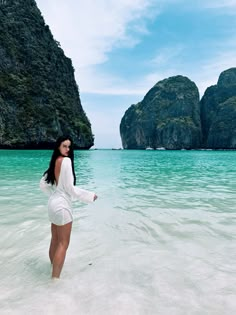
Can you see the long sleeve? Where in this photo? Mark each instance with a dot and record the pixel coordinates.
(45, 187)
(67, 181)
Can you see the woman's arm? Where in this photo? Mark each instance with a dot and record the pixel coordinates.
(68, 179)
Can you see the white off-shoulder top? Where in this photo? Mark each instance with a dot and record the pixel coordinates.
(65, 185)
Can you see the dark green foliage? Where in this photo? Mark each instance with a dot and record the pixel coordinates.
(39, 97)
(168, 116)
(171, 116)
(218, 112)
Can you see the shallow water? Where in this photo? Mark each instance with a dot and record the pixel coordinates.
(159, 240)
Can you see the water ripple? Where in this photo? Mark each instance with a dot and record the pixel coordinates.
(159, 240)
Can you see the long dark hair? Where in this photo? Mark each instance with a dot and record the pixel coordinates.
(50, 176)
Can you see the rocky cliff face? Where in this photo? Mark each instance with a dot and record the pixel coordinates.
(168, 116)
(39, 98)
(171, 116)
(218, 113)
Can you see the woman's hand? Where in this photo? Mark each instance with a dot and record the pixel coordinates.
(95, 197)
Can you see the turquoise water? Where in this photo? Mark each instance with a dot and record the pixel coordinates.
(159, 240)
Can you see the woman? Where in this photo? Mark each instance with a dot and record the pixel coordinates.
(59, 181)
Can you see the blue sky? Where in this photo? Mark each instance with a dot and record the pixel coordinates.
(120, 49)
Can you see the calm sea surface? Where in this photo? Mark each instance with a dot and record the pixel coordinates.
(161, 238)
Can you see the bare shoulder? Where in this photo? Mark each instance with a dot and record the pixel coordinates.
(57, 169)
(59, 160)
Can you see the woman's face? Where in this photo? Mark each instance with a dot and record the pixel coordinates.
(64, 147)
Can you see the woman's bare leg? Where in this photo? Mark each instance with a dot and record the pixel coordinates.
(63, 234)
(54, 241)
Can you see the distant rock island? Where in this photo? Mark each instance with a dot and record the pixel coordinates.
(171, 116)
(39, 98)
(218, 113)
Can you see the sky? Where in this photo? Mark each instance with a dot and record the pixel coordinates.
(121, 49)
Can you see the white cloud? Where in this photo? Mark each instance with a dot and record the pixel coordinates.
(203, 72)
(107, 84)
(164, 56)
(112, 85)
(89, 30)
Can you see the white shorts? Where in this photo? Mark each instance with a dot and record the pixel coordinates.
(59, 210)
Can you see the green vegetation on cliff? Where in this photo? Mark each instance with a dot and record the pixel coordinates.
(39, 98)
(218, 112)
(171, 116)
(168, 116)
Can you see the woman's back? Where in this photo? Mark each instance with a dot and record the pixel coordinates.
(57, 169)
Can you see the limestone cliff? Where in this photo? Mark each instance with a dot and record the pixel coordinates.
(218, 112)
(39, 98)
(168, 116)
